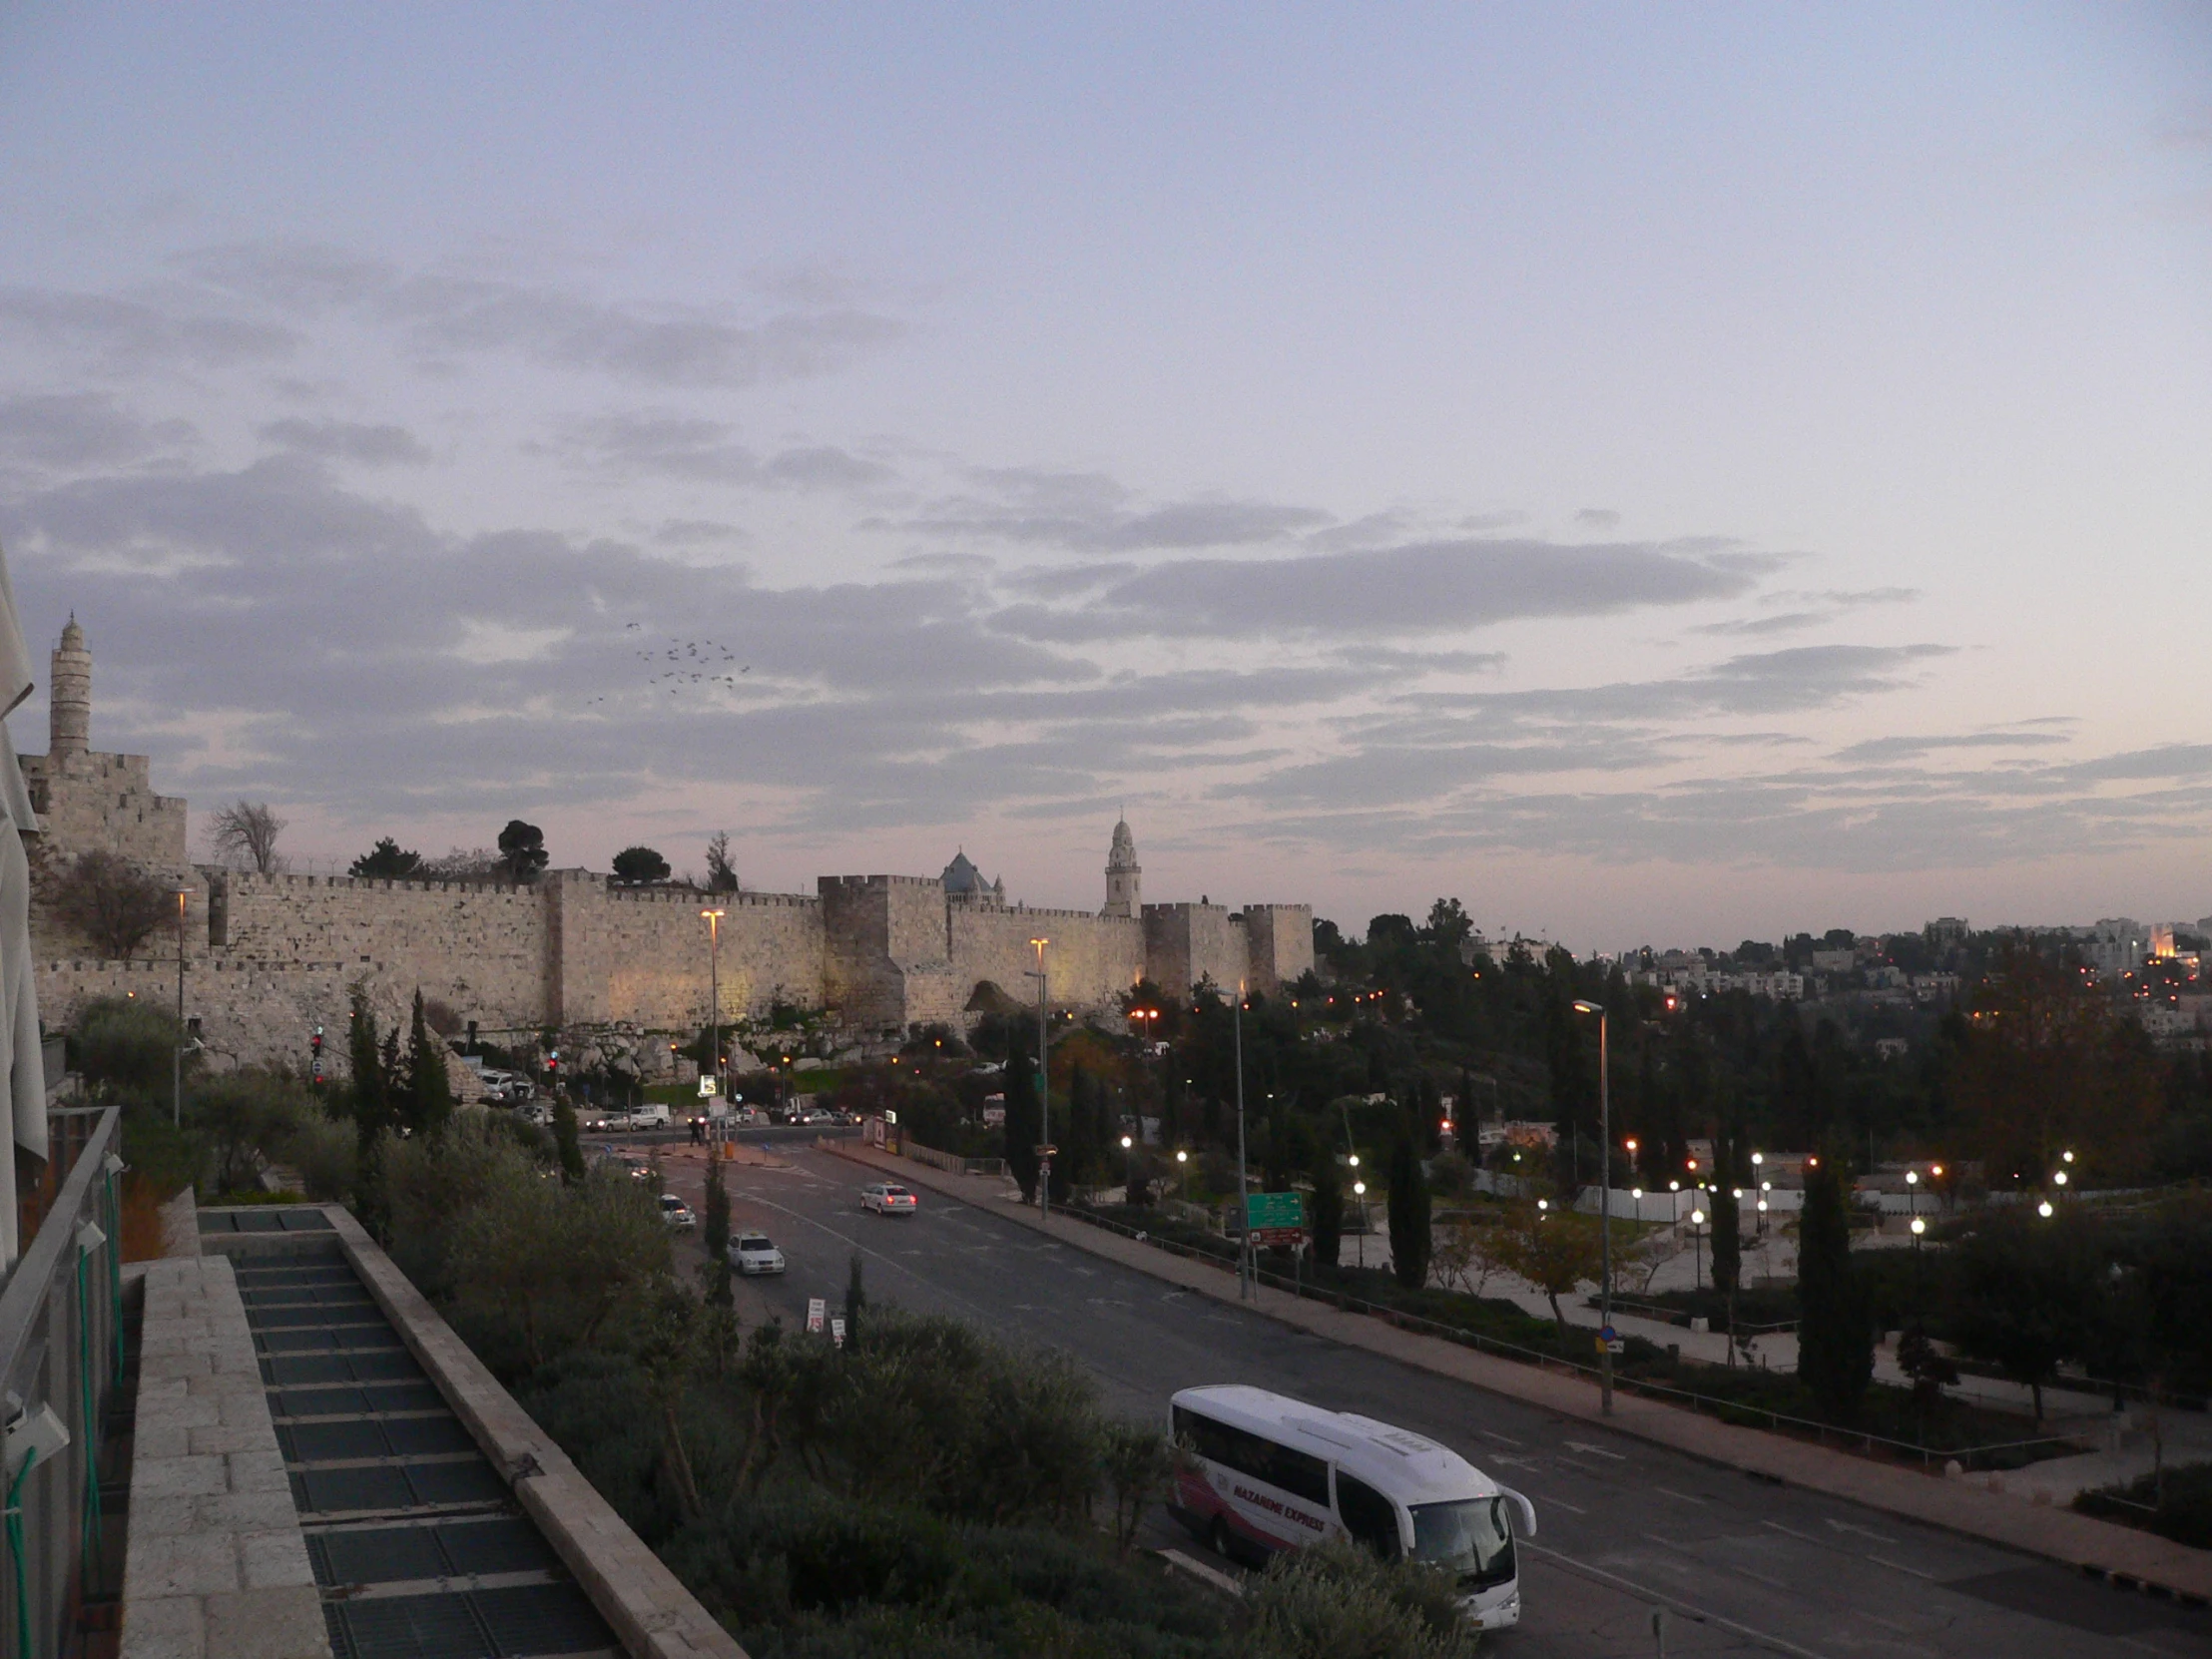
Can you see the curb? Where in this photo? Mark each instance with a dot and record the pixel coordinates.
(2119, 1555)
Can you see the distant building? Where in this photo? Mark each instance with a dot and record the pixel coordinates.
(1946, 931)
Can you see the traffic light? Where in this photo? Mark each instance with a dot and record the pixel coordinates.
(314, 1043)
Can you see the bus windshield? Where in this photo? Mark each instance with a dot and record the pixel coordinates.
(1471, 1538)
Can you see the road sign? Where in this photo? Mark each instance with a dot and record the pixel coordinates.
(1610, 1334)
(817, 1311)
(705, 1088)
(1277, 1220)
(836, 1328)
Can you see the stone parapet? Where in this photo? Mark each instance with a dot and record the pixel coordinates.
(215, 1567)
(645, 1605)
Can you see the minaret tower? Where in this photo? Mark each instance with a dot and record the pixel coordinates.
(69, 699)
(1121, 872)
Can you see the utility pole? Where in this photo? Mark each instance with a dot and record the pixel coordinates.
(1243, 1195)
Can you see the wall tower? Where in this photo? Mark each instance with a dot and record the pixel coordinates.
(69, 722)
(1122, 876)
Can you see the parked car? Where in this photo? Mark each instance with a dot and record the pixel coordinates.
(654, 1115)
(676, 1213)
(887, 1199)
(751, 1253)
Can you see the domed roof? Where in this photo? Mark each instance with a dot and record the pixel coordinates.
(963, 876)
(1124, 852)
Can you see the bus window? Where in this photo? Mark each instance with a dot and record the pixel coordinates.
(1284, 1468)
(1368, 1516)
(1471, 1538)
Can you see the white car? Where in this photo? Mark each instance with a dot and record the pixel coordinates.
(676, 1213)
(886, 1198)
(751, 1253)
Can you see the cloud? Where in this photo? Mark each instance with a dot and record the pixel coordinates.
(1598, 518)
(1093, 513)
(1912, 748)
(1788, 622)
(347, 440)
(665, 444)
(441, 313)
(1419, 589)
(133, 336)
(69, 431)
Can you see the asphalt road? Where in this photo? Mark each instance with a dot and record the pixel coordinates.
(1740, 1565)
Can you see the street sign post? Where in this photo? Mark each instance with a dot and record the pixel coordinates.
(817, 1309)
(705, 1088)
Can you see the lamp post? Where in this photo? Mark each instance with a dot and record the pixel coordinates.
(176, 1056)
(1127, 1169)
(1697, 1251)
(1604, 1204)
(1044, 1107)
(1244, 1196)
(1360, 1191)
(714, 983)
(1182, 1175)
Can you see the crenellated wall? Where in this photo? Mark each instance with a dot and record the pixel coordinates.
(1088, 959)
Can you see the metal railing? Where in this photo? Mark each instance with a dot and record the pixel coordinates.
(61, 1356)
(951, 1162)
(1714, 1404)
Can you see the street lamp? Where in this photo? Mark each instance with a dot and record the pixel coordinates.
(1604, 1204)
(1244, 1192)
(1360, 1191)
(2043, 1209)
(1697, 1250)
(714, 984)
(177, 1057)
(1044, 1095)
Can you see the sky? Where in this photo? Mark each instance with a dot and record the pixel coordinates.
(1657, 474)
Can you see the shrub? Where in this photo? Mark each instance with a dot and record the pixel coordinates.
(1338, 1601)
(245, 1119)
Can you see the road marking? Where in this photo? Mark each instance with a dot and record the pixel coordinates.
(1684, 1496)
(1863, 1531)
(1595, 1451)
(1493, 1434)
(1805, 1537)
(1616, 1582)
(1899, 1566)
(1560, 1503)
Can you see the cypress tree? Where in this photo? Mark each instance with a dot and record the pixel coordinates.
(1728, 1243)
(1022, 1131)
(1329, 1211)
(564, 1139)
(1835, 1321)
(372, 1111)
(855, 1301)
(1410, 1235)
(429, 1092)
(716, 1229)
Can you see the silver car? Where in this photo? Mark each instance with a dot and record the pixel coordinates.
(753, 1253)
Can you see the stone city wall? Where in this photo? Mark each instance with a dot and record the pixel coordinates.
(106, 802)
(478, 946)
(640, 956)
(1089, 961)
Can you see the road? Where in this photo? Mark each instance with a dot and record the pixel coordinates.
(1741, 1566)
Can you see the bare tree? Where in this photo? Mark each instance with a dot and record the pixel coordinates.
(112, 901)
(464, 864)
(248, 831)
(722, 875)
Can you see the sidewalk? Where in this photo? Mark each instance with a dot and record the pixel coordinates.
(1970, 1507)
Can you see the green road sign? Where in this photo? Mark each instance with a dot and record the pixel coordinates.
(1275, 1212)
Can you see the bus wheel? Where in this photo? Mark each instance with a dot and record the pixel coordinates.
(1216, 1539)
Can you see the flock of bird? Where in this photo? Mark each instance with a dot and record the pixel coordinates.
(695, 660)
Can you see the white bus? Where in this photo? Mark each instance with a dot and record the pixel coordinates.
(1273, 1473)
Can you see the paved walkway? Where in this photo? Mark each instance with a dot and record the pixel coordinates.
(1973, 1508)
